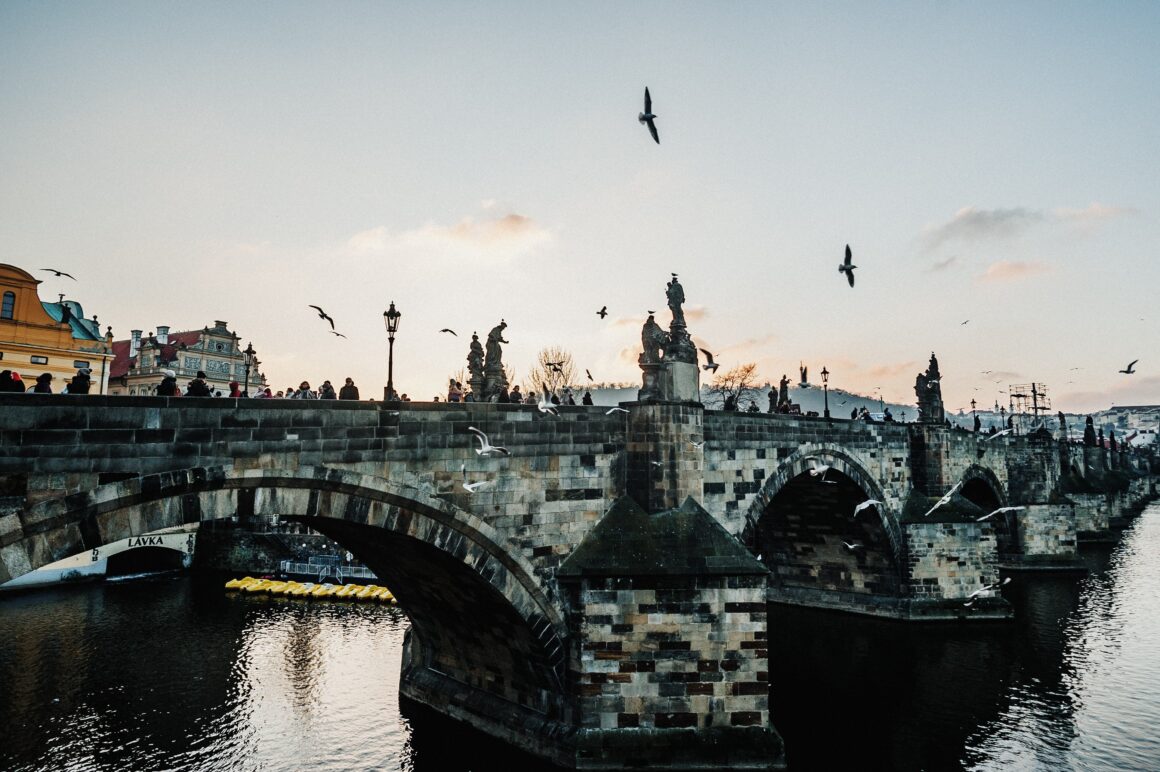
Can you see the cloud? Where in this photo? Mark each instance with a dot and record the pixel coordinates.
(495, 239)
(1093, 213)
(889, 371)
(1013, 270)
(972, 225)
(693, 313)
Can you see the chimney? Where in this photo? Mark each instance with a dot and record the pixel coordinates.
(163, 334)
(135, 343)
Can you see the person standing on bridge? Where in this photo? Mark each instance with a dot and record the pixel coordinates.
(81, 382)
(198, 387)
(43, 384)
(168, 385)
(349, 390)
(304, 392)
(9, 384)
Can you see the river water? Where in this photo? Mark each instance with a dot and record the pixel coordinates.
(175, 675)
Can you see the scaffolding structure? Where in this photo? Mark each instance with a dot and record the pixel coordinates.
(1029, 404)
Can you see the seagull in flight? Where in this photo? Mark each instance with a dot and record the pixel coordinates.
(847, 267)
(1130, 369)
(852, 547)
(998, 511)
(59, 273)
(866, 505)
(960, 325)
(588, 373)
(545, 404)
(996, 434)
(473, 487)
(485, 447)
(339, 334)
(647, 116)
(603, 312)
(945, 498)
(712, 365)
(448, 329)
(697, 445)
(818, 469)
(323, 315)
(612, 410)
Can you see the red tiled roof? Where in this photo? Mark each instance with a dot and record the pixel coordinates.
(122, 362)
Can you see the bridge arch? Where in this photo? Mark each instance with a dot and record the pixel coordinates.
(801, 526)
(982, 488)
(478, 614)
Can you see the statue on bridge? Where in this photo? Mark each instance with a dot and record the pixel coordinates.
(654, 340)
(928, 389)
(475, 373)
(1089, 433)
(495, 382)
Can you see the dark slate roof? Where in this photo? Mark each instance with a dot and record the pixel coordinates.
(677, 542)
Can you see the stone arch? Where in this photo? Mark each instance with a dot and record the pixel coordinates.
(369, 516)
(797, 464)
(982, 488)
(794, 522)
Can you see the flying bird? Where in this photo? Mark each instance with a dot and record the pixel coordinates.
(323, 315)
(647, 116)
(996, 434)
(817, 469)
(473, 487)
(712, 365)
(612, 410)
(339, 334)
(588, 373)
(545, 404)
(998, 511)
(1130, 369)
(603, 312)
(851, 547)
(59, 273)
(848, 267)
(945, 498)
(697, 445)
(866, 505)
(485, 447)
(964, 323)
(453, 332)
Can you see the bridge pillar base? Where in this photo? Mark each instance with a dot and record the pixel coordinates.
(725, 747)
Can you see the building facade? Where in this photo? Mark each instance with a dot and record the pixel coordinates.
(139, 362)
(38, 337)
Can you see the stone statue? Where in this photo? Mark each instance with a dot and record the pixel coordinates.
(1112, 439)
(676, 295)
(805, 371)
(772, 400)
(475, 359)
(928, 390)
(783, 391)
(494, 352)
(654, 339)
(1062, 426)
(1089, 433)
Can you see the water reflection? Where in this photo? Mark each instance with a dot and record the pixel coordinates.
(174, 675)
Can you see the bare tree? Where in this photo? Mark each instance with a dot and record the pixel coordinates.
(737, 386)
(554, 367)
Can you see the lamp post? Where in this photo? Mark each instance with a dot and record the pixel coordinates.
(248, 358)
(974, 418)
(391, 320)
(826, 390)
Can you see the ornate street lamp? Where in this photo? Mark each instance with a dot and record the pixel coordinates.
(974, 418)
(248, 358)
(826, 390)
(391, 320)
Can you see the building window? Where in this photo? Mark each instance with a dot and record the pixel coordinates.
(79, 363)
(9, 305)
(39, 360)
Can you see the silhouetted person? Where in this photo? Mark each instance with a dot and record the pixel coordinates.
(349, 390)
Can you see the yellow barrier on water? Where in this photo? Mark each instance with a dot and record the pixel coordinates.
(291, 588)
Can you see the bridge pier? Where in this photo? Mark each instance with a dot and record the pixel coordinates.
(669, 659)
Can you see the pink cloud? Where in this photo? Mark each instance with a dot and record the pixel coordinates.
(1013, 270)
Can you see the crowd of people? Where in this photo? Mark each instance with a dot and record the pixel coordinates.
(11, 381)
(456, 393)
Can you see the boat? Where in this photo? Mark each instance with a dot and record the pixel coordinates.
(348, 591)
(324, 590)
(303, 589)
(237, 584)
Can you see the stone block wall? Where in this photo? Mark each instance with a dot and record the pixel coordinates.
(949, 561)
(1091, 512)
(655, 656)
(664, 466)
(1047, 533)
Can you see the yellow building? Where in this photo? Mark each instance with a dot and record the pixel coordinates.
(38, 337)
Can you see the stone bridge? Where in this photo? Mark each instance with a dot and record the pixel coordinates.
(601, 600)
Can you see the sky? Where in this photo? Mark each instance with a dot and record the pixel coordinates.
(993, 167)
